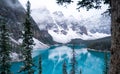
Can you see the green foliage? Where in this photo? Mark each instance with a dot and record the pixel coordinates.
(5, 50)
(64, 68)
(88, 4)
(40, 65)
(100, 45)
(27, 44)
(83, 3)
(61, 2)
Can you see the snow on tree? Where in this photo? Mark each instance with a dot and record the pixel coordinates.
(5, 50)
(27, 44)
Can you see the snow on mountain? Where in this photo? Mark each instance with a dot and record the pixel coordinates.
(62, 38)
(37, 43)
(64, 29)
(43, 18)
(15, 56)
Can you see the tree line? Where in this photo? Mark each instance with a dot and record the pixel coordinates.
(27, 47)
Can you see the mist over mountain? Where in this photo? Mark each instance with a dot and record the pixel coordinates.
(49, 27)
(57, 23)
(14, 13)
(98, 24)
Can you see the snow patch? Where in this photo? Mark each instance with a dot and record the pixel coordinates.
(13, 40)
(98, 35)
(62, 38)
(38, 44)
(15, 57)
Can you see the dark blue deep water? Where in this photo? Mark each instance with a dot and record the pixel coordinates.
(90, 62)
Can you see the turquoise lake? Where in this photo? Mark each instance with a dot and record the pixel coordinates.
(90, 62)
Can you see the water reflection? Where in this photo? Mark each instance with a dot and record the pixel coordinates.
(89, 62)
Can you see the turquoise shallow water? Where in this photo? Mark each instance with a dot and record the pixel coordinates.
(90, 62)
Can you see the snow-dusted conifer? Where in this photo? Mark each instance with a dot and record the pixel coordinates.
(27, 44)
(5, 49)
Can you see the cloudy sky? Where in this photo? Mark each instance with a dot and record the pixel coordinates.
(52, 6)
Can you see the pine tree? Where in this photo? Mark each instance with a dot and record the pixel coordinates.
(4, 50)
(27, 44)
(64, 68)
(40, 65)
(73, 62)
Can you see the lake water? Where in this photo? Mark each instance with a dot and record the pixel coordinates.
(90, 62)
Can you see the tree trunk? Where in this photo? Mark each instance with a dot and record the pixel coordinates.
(115, 28)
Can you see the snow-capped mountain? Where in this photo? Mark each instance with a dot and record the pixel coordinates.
(54, 26)
(49, 26)
(56, 21)
(64, 29)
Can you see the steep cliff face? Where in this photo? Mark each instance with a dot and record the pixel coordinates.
(13, 11)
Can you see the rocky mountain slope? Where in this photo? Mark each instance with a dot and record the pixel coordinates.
(54, 27)
(63, 29)
(14, 12)
(50, 28)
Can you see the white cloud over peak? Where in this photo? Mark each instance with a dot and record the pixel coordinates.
(52, 6)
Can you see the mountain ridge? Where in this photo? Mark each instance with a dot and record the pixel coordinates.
(15, 14)
(59, 25)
